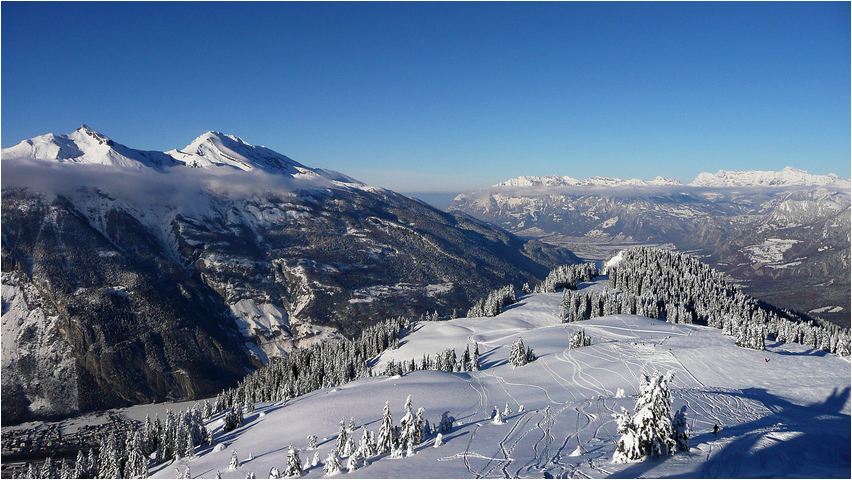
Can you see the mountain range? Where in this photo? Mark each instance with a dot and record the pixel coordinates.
(784, 236)
(134, 276)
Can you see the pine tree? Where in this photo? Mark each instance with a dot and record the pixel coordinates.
(108, 466)
(47, 469)
(498, 417)
(474, 363)
(518, 354)
(80, 466)
(366, 449)
(294, 463)
(342, 436)
(312, 442)
(137, 464)
(385, 442)
(331, 466)
(508, 410)
(650, 431)
(65, 471)
(235, 461)
(681, 430)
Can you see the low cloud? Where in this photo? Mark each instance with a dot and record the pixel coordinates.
(185, 188)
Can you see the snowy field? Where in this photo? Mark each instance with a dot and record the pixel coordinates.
(784, 412)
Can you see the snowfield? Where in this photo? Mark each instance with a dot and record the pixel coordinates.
(784, 412)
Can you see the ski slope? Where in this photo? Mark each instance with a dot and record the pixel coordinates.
(784, 412)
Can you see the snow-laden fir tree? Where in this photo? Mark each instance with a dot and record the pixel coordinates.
(474, 362)
(508, 410)
(342, 436)
(294, 463)
(81, 467)
(274, 473)
(48, 470)
(316, 459)
(518, 354)
(65, 471)
(649, 433)
(235, 461)
(331, 465)
(312, 442)
(498, 417)
(108, 458)
(410, 433)
(353, 462)
(439, 439)
(446, 424)
(366, 449)
(681, 430)
(579, 339)
(137, 464)
(385, 440)
(351, 426)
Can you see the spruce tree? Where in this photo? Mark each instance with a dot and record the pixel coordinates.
(294, 463)
(331, 466)
(385, 441)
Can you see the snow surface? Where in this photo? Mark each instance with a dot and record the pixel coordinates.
(784, 412)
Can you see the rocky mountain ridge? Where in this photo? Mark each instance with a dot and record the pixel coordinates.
(155, 281)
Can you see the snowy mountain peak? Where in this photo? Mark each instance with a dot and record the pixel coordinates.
(557, 181)
(789, 176)
(210, 150)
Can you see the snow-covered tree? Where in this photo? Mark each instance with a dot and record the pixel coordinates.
(342, 436)
(498, 417)
(48, 470)
(274, 473)
(385, 440)
(353, 462)
(235, 461)
(508, 410)
(294, 463)
(579, 339)
(681, 430)
(474, 362)
(446, 424)
(331, 465)
(312, 442)
(649, 432)
(366, 449)
(518, 354)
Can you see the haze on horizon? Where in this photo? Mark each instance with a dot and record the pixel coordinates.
(441, 98)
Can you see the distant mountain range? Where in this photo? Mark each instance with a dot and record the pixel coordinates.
(784, 235)
(128, 277)
(787, 177)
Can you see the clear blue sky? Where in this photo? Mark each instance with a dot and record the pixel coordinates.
(446, 96)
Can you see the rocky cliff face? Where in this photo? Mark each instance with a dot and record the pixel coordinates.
(129, 278)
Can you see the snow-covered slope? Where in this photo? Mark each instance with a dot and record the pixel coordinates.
(789, 176)
(784, 412)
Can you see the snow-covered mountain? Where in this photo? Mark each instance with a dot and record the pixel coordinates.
(169, 282)
(777, 232)
(783, 412)
(787, 177)
(557, 181)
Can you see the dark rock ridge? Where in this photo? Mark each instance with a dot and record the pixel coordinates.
(129, 278)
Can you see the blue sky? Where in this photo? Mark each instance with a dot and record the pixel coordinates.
(446, 97)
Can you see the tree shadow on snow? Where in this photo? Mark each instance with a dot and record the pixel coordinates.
(793, 441)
